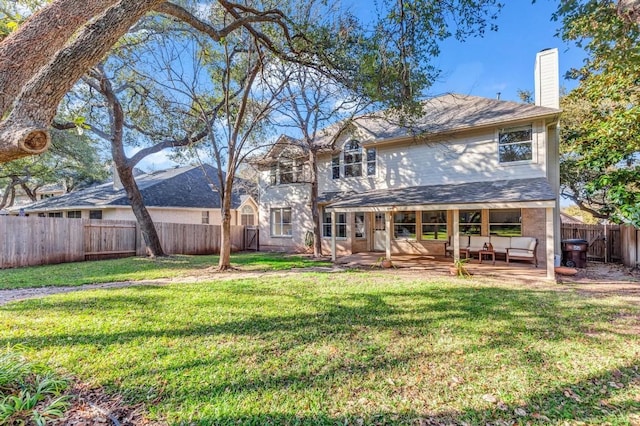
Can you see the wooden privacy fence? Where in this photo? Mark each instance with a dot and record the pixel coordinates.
(28, 241)
(605, 242)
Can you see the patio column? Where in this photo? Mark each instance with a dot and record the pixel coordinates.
(456, 234)
(333, 236)
(387, 219)
(550, 246)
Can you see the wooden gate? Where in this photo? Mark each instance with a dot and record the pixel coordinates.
(109, 239)
(251, 238)
(605, 243)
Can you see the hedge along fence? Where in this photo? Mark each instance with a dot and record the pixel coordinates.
(28, 241)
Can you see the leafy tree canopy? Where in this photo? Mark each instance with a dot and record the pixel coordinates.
(601, 122)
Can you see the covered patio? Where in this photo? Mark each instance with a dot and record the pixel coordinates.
(534, 194)
(440, 265)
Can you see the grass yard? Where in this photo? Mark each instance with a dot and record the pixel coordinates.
(356, 348)
(142, 268)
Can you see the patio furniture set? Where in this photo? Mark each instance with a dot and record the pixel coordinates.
(512, 248)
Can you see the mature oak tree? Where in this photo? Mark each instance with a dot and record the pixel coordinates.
(600, 167)
(55, 47)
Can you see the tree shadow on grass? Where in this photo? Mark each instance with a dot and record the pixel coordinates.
(509, 318)
(607, 398)
(524, 313)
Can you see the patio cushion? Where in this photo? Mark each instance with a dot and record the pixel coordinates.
(520, 253)
(464, 242)
(476, 242)
(524, 243)
(500, 244)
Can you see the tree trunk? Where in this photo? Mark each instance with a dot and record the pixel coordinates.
(43, 34)
(629, 10)
(315, 213)
(225, 227)
(149, 233)
(124, 169)
(25, 131)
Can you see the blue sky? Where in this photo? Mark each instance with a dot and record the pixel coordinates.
(501, 61)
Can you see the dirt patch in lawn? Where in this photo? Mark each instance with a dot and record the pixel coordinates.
(605, 280)
(91, 406)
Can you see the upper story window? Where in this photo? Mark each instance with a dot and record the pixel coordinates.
(353, 160)
(515, 144)
(286, 171)
(74, 214)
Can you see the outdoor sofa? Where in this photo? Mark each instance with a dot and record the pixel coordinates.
(512, 248)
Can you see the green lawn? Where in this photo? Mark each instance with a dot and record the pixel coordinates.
(365, 347)
(142, 268)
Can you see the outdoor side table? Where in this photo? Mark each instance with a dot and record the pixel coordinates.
(487, 253)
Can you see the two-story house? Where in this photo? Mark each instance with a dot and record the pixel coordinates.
(467, 166)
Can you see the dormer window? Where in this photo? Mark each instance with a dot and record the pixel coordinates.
(286, 171)
(352, 161)
(515, 144)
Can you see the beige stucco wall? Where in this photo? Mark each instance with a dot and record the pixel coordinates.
(469, 157)
(294, 196)
(170, 215)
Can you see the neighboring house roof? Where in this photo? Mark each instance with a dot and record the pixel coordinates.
(500, 191)
(453, 112)
(565, 218)
(186, 187)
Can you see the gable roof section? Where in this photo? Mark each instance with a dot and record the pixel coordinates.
(186, 187)
(482, 193)
(445, 114)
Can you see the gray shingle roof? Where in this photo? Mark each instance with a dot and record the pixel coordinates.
(178, 187)
(443, 114)
(500, 191)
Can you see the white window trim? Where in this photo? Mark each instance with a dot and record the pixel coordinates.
(272, 210)
(364, 163)
(346, 228)
(534, 145)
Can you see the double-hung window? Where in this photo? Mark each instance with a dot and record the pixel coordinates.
(515, 144)
(335, 167)
(404, 225)
(352, 159)
(281, 222)
(285, 171)
(434, 225)
(505, 223)
(341, 225)
(352, 162)
(371, 161)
